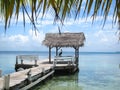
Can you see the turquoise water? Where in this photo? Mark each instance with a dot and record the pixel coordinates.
(98, 71)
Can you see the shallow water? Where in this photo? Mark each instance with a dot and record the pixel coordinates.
(99, 71)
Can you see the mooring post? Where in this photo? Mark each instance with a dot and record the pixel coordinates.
(54, 62)
(0, 73)
(43, 71)
(21, 61)
(16, 60)
(35, 62)
(29, 76)
(6, 82)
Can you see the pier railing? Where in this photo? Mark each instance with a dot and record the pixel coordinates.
(69, 60)
(27, 57)
(25, 79)
(26, 61)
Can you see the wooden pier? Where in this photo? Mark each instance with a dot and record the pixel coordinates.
(27, 78)
(38, 70)
(62, 64)
(65, 64)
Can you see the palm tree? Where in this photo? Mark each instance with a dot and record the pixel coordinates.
(61, 9)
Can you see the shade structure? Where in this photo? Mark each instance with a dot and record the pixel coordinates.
(74, 40)
(64, 39)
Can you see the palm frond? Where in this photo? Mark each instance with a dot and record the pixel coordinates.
(62, 9)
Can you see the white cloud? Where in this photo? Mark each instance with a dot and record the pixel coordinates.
(18, 38)
(31, 41)
(102, 36)
(36, 36)
(101, 40)
(95, 36)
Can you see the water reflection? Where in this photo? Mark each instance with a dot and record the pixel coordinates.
(95, 74)
(67, 82)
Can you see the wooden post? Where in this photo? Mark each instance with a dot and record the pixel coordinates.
(54, 62)
(0, 73)
(77, 55)
(16, 60)
(21, 61)
(77, 58)
(29, 76)
(43, 71)
(6, 82)
(56, 51)
(49, 54)
(35, 62)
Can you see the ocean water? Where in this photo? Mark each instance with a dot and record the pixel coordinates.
(97, 71)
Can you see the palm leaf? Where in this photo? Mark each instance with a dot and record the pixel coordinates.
(89, 6)
(61, 8)
(79, 3)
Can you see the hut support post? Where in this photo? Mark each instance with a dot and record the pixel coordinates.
(49, 54)
(77, 55)
(56, 51)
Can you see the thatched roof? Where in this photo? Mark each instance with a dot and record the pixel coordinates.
(64, 39)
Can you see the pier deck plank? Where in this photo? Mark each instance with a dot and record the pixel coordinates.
(18, 77)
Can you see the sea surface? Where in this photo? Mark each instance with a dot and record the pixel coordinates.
(97, 71)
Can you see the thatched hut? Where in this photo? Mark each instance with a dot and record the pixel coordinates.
(74, 40)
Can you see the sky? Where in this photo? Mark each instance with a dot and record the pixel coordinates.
(98, 38)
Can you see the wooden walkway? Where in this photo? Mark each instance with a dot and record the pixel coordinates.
(36, 72)
(26, 79)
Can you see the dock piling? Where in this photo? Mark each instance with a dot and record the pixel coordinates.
(29, 76)
(35, 62)
(54, 64)
(43, 71)
(21, 61)
(6, 82)
(16, 60)
(0, 73)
